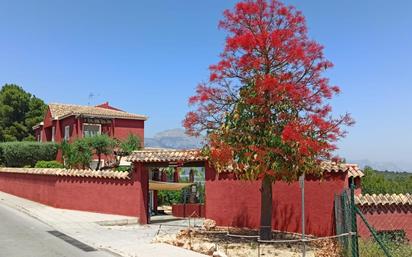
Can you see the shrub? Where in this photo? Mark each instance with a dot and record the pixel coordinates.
(49, 164)
(2, 162)
(77, 153)
(169, 197)
(123, 168)
(395, 236)
(130, 144)
(80, 152)
(20, 154)
(101, 145)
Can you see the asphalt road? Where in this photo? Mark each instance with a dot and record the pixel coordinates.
(24, 236)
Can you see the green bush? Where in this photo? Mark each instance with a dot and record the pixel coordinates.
(2, 162)
(20, 154)
(77, 154)
(123, 168)
(101, 145)
(397, 236)
(49, 164)
(169, 197)
(130, 144)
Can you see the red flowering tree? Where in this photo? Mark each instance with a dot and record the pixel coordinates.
(265, 108)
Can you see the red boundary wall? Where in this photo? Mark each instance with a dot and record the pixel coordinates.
(103, 195)
(236, 203)
(188, 210)
(386, 218)
(228, 201)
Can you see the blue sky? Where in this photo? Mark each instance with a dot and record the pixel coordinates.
(147, 57)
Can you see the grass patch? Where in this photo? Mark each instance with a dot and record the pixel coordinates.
(370, 248)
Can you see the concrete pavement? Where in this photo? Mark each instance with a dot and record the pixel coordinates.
(23, 236)
(112, 233)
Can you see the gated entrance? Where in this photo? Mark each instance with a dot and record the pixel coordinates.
(165, 171)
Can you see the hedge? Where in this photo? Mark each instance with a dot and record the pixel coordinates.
(22, 154)
(48, 164)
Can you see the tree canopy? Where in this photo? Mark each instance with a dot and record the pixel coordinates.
(265, 107)
(101, 145)
(265, 104)
(79, 153)
(19, 112)
(385, 182)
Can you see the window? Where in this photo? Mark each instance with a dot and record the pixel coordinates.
(67, 133)
(91, 129)
(53, 133)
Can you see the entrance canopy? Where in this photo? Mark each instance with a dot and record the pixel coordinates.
(168, 157)
(172, 186)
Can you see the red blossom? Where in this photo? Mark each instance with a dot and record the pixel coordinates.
(213, 77)
(266, 101)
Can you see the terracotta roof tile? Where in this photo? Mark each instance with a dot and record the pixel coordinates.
(59, 111)
(352, 169)
(383, 199)
(68, 172)
(167, 155)
(163, 155)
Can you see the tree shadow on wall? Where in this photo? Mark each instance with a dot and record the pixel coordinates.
(284, 217)
(243, 219)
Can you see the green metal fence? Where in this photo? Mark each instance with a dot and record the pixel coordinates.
(345, 216)
(387, 235)
(390, 242)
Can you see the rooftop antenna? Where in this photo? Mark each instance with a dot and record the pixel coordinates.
(91, 95)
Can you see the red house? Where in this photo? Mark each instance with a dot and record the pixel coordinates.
(69, 121)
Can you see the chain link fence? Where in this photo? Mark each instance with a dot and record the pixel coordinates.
(345, 220)
(381, 225)
(385, 228)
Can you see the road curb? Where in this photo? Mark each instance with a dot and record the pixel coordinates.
(120, 222)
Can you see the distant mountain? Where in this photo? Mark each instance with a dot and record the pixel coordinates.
(177, 139)
(383, 166)
(173, 138)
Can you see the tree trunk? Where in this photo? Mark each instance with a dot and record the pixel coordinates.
(192, 196)
(265, 232)
(98, 161)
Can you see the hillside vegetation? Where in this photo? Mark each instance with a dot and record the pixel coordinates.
(386, 182)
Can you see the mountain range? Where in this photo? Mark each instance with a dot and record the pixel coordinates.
(173, 138)
(177, 139)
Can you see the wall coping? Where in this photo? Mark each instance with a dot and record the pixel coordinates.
(383, 199)
(153, 155)
(107, 174)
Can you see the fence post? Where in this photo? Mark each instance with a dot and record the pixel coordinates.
(302, 186)
(345, 210)
(354, 227)
(373, 232)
